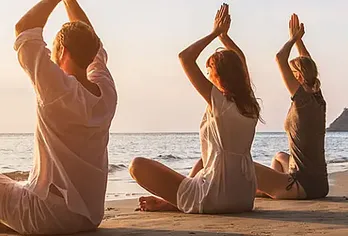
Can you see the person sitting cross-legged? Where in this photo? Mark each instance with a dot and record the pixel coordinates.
(76, 101)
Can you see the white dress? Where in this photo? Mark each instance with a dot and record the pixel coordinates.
(227, 183)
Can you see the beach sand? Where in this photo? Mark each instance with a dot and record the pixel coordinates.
(328, 216)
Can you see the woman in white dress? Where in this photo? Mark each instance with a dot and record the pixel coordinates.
(223, 180)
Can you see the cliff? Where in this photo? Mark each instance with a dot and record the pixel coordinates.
(340, 124)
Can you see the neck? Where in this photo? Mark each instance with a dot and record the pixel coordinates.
(80, 75)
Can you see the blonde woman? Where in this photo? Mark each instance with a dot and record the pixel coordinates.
(302, 174)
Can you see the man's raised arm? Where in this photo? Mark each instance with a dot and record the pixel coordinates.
(75, 12)
(37, 16)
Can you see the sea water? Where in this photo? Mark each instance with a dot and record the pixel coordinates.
(176, 150)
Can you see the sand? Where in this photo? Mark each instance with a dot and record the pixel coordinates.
(328, 216)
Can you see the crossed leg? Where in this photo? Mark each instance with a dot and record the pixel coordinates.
(280, 162)
(277, 185)
(159, 180)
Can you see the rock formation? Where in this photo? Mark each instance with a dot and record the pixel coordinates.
(340, 124)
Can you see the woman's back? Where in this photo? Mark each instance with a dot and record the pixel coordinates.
(226, 138)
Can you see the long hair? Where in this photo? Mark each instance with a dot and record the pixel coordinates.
(231, 74)
(308, 72)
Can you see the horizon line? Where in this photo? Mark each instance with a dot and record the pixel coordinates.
(162, 132)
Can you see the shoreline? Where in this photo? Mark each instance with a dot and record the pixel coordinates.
(132, 191)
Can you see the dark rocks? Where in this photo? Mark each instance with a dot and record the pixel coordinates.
(340, 124)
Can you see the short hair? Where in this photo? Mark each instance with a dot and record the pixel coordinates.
(81, 42)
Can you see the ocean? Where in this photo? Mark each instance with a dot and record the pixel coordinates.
(176, 150)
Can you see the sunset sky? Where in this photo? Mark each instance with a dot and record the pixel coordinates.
(143, 39)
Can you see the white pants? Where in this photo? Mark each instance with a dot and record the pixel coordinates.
(25, 213)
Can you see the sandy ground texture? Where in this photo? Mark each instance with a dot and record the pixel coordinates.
(328, 216)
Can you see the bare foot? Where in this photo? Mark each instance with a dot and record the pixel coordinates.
(261, 194)
(152, 203)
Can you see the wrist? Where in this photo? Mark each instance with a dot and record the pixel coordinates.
(223, 35)
(215, 34)
(68, 2)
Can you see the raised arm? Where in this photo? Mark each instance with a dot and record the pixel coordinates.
(294, 26)
(229, 43)
(282, 58)
(75, 12)
(37, 16)
(189, 56)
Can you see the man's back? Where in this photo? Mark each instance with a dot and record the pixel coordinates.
(72, 130)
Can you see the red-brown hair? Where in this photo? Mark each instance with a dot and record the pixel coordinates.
(232, 75)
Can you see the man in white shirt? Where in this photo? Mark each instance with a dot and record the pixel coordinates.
(76, 102)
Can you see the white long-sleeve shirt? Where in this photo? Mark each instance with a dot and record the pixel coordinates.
(72, 131)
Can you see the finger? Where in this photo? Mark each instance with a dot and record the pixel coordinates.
(301, 32)
(225, 9)
(297, 21)
(294, 21)
(217, 14)
(226, 20)
(221, 11)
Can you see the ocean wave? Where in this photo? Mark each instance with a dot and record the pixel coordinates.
(113, 168)
(167, 157)
(338, 160)
(5, 150)
(18, 175)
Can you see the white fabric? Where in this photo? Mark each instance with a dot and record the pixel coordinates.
(26, 213)
(227, 183)
(72, 128)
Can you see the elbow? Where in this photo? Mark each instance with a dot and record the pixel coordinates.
(185, 56)
(19, 28)
(182, 56)
(279, 56)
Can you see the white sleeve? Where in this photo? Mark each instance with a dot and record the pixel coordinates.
(49, 81)
(98, 68)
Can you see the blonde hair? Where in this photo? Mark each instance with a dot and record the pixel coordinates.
(308, 72)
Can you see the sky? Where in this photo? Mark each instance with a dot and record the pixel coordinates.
(143, 39)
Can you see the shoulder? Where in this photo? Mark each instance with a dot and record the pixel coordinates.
(300, 94)
(220, 103)
(216, 93)
(302, 97)
(30, 35)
